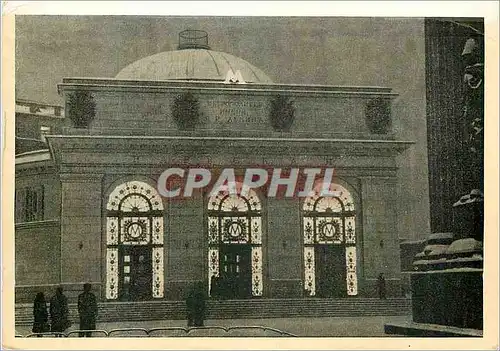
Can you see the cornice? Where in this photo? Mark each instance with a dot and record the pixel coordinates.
(37, 224)
(107, 84)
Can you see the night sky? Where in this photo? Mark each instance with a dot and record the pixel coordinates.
(304, 50)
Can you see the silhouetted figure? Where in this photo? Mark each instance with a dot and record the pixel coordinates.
(381, 286)
(214, 288)
(59, 312)
(40, 315)
(195, 305)
(190, 307)
(200, 305)
(87, 309)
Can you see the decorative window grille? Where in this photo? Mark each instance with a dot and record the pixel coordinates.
(112, 273)
(135, 218)
(309, 271)
(158, 272)
(257, 271)
(235, 220)
(329, 220)
(352, 282)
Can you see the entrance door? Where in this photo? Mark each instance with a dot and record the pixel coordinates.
(235, 271)
(330, 271)
(136, 269)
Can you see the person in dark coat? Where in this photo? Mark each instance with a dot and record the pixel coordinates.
(196, 305)
(190, 307)
(59, 313)
(381, 286)
(199, 304)
(87, 309)
(40, 315)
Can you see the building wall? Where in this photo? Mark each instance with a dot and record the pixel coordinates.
(29, 125)
(37, 243)
(338, 111)
(80, 249)
(37, 253)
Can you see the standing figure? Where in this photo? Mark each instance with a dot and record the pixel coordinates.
(195, 305)
(199, 304)
(87, 309)
(190, 307)
(381, 286)
(59, 312)
(40, 315)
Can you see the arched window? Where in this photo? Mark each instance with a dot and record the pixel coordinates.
(235, 245)
(330, 244)
(134, 240)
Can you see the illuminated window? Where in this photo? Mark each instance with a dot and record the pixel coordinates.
(235, 242)
(134, 237)
(328, 230)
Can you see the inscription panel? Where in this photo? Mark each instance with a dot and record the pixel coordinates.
(227, 112)
(150, 113)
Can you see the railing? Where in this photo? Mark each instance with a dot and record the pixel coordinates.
(208, 331)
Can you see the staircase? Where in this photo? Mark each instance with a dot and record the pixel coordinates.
(237, 309)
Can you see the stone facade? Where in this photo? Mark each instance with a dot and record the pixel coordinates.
(133, 137)
(90, 167)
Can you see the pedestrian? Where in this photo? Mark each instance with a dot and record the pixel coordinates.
(381, 286)
(199, 307)
(190, 307)
(40, 315)
(87, 309)
(59, 313)
(214, 291)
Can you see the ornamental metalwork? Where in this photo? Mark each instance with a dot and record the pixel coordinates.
(257, 285)
(112, 273)
(235, 230)
(134, 196)
(309, 271)
(329, 220)
(134, 218)
(135, 230)
(352, 281)
(158, 272)
(235, 220)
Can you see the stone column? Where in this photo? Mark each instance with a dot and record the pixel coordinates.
(81, 221)
(185, 245)
(283, 248)
(381, 253)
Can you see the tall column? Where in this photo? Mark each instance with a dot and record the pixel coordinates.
(283, 254)
(186, 245)
(381, 253)
(81, 233)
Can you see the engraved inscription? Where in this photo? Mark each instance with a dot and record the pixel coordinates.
(237, 111)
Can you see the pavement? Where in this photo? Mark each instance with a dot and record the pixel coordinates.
(366, 326)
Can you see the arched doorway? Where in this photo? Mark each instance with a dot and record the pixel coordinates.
(235, 245)
(134, 243)
(330, 244)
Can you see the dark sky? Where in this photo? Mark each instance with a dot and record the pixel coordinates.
(313, 50)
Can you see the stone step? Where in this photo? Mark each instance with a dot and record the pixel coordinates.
(264, 308)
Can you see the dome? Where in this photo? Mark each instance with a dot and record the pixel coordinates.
(192, 64)
(195, 61)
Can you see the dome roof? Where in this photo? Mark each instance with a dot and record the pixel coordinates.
(192, 64)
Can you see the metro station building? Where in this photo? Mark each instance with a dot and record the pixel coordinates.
(90, 196)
